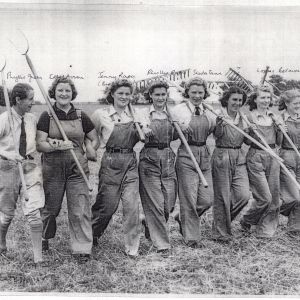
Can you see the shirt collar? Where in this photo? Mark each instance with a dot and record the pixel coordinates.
(15, 114)
(56, 109)
(152, 109)
(112, 111)
(193, 107)
(225, 113)
(286, 116)
(257, 114)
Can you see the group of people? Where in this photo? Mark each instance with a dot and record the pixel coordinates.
(159, 176)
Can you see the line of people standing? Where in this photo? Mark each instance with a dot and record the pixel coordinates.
(160, 175)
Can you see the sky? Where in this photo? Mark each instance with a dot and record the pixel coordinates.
(96, 43)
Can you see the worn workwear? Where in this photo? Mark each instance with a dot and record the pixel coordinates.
(118, 176)
(263, 172)
(230, 177)
(61, 174)
(10, 183)
(194, 199)
(158, 183)
(289, 193)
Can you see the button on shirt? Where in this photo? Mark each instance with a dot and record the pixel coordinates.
(105, 119)
(6, 139)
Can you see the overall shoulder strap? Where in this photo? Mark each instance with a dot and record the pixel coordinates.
(78, 111)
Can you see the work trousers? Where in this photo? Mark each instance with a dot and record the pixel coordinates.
(158, 186)
(194, 198)
(62, 175)
(289, 193)
(263, 172)
(118, 180)
(231, 189)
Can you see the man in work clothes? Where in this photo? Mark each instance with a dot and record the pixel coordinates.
(10, 183)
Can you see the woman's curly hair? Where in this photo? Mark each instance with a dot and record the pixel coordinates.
(252, 97)
(287, 97)
(159, 83)
(62, 79)
(195, 81)
(232, 90)
(114, 86)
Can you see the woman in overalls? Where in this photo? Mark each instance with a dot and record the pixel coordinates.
(118, 174)
(229, 172)
(158, 183)
(60, 172)
(263, 169)
(290, 196)
(197, 124)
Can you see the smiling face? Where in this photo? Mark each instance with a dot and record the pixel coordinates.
(63, 95)
(121, 97)
(263, 100)
(235, 102)
(196, 94)
(159, 97)
(293, 107)
(25, 105)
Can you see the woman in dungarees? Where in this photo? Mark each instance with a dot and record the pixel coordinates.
(229, 172)
(158, 183)
(263, 169)
(60, 172)
(290, 195)
(197, 124)
(118, 174)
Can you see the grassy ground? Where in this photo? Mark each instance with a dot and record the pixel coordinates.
(246, 266)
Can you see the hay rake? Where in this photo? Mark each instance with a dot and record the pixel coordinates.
(235, 78)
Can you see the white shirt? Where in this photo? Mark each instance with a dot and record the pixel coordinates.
(151, 114)
(183, 112)
(285, 116)
(236, 120)
(261, 119)
(105, 119)
(6, 138)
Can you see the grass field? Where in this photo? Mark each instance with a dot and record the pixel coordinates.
(247, 266)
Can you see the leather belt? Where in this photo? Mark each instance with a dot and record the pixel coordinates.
(229, 147)
(160, 146)
(27, 157)
(196, 143)
(289, 148)
(272, 146)
(118, 150)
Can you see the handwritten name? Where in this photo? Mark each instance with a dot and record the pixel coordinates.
(160, 72)
(206, 72)
(18, 77)
(281, 70)
(103, 76)
(73, 77)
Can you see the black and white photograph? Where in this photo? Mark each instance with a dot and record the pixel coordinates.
(149, 148)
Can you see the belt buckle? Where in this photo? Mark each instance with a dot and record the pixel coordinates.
(160, 146)
(116, 149)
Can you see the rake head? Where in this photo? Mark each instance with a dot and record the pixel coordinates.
(236, 79)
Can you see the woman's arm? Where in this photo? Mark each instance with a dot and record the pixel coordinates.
(92, 144)
(42, 145)
(46, 144)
